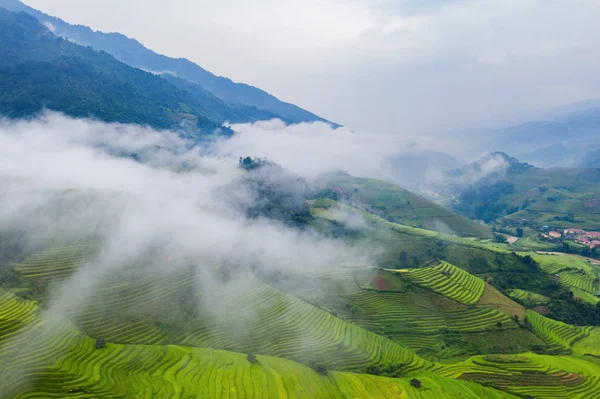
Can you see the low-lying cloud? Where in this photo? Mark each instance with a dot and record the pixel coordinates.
(156, 205)
(64, 178)
(312, 149)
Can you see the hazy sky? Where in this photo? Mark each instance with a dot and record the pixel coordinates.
(393, 66)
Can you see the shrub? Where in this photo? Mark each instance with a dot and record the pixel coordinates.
(252, 358)
(415, 383)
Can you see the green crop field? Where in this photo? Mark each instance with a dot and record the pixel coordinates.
(401, 206)
(558, 197)
(578, 274)
(558, 336)
(450, 281)
(528, 298)
(349, 330)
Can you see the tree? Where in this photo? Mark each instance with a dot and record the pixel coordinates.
(499, 238)
(252, 358)
(319, 368)
(415, 383)
(519, 232)
(373, 370)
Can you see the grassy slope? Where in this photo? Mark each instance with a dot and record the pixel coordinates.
(434, 325)
(575, 191)
(53, 362)
(401, 206)
(62, 362)
(132, 308)
(478, 257)
(574, 272)
(528, 298)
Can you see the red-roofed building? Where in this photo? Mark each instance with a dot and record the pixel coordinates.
(582, 240)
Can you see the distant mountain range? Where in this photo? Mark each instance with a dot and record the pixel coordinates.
(39, 71)
(133, 53)
(564, 141)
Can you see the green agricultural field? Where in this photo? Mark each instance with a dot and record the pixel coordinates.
(401, 206)
(62, 362)
(528, 298)
(450, 281)
(558, 336)
(576, 273)
(588, 346)
(534, 243)
(560, 197)
(532, 375)
(346, 331)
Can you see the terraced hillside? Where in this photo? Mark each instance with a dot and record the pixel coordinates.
(433, 325)
(528, 298)
(412, 247)
(560, 197)
(381, 320)
(61, 362)
(131, 308)
(559, 336)
(450, 281)
(533, 376)
(576, 273)
(398, 205)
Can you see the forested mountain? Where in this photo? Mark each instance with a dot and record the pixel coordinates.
(560, 197)
(39, 70)
(133, 53)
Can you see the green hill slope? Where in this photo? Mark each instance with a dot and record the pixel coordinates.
(41, 359)
(251, 100)
(559, 197)
(398, 205)
(62, 362)
(41, 71)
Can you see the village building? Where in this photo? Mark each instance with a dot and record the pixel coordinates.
(555, 234)
(582, 240)
(574, 232)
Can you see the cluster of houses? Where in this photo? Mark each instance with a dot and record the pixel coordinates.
(589, 238)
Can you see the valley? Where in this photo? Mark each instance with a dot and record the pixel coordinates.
(166, 232)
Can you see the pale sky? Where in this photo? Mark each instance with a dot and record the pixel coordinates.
(403, 66)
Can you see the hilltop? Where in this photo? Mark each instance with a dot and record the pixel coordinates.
(398, 205)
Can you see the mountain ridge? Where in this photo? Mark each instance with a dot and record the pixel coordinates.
(41, 71)
(133, 53)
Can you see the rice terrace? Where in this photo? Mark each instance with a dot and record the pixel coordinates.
(430, 229)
